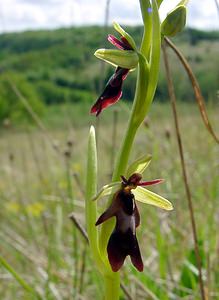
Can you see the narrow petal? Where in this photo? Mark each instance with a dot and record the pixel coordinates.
(124, 180)
(148, 197)
(109, 213)
(152, 182)
(116, 42)
(107, 190)
(139, 165)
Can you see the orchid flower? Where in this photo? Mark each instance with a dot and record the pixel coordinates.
(123, 240)
(124, 59)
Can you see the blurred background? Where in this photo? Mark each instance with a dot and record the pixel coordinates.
(49, 78)
(47, 49)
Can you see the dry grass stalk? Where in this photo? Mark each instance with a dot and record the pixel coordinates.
(184, 172)
(197, 91)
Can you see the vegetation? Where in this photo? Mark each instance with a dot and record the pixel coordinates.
(44, 255)
(37, 186)
(58, 67)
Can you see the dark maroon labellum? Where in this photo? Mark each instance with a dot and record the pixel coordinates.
(112, 92)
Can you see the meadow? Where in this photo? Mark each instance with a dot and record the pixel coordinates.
(42, 181)
(48, 82)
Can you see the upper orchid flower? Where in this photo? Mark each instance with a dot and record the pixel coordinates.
(124, 59)
(123, 239)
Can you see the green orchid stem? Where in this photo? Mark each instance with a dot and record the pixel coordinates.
(123, 157)
(112, 286)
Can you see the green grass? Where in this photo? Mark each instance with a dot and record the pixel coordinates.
(39, 243)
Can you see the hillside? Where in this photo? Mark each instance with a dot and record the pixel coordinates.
(58, 66)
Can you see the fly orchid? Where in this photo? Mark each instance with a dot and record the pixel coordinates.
(123, 240)
(124, 59)
(114, 241)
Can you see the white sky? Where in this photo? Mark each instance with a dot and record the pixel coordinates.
(19, 15)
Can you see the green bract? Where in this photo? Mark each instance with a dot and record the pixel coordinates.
(107, 190)
(126, 59)
(174, 22)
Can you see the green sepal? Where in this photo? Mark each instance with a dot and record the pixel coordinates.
(174, 22)
(139, 165)
(127, 36)
(107, 190)
(126, 59)
(148, 197)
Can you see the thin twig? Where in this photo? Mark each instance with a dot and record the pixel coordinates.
(126, 292)
(146, 290)
(197, 91)
(184, 173)
(82, 271)
(79, 227)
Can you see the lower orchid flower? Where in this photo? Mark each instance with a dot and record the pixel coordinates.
(123, 240)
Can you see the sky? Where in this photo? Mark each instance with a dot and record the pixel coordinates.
(20, 15)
